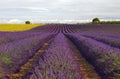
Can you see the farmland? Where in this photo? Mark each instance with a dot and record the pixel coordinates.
(17, 27)
(61, 51)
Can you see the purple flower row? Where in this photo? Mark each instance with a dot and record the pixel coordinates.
(115, 42)
(104, 58)
(57, 62)
(15, 54)
(13, 36)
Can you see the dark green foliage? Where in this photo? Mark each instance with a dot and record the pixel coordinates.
(6, 59)
(95, 21)
(110, 22)
(27, 22)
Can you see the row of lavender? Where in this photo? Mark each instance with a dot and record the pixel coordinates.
(111, 39)
(6, 37)
(15, 53)
(57, 62)
(55, 28)
(103, 57)
(80, 28)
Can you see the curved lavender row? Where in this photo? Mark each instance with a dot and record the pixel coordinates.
(97, 28)
(10, 37)
(55, 28)
(113, 35)
(14, 54)
(105, 58)
(44, 29)
(79, 28)
(106, 39)
(109, 35)
(57, 62)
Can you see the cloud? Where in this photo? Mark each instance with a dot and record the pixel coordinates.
(25, 9)
(36, 9)
(17, 21)
(59, 9)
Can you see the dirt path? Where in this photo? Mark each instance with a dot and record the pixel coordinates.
(26, 68)
(86, 68)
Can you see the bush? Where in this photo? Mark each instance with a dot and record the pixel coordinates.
(27, 22)
(95, 21)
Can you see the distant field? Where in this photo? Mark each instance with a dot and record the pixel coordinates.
(17, 27)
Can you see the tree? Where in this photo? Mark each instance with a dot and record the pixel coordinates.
(95, 21)
(27, 22)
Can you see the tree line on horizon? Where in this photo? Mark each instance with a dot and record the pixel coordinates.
(97, 21)
(94, 21)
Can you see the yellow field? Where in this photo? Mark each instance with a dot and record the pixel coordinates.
(17, 27)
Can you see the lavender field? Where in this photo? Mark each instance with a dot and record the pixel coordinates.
(61, 51)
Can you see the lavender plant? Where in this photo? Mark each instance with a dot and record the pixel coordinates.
(105, 58)
(15, 54)
(115, 42)
(57, 62)
(6, 37)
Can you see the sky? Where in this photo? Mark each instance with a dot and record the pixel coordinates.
(58, 10)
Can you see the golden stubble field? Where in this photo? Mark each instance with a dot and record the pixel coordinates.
(17, 27)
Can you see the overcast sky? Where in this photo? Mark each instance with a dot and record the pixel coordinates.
(36, 10)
